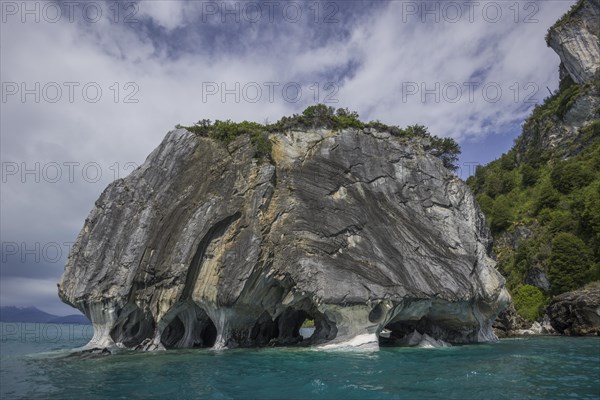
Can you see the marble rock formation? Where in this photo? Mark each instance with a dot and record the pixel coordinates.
(206, 246)
(577, 313)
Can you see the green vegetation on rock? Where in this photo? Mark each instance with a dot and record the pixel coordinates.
(570, 263)
(529, 301)
(322, 116)
(227, 131)
(309, 323)
(548, 185)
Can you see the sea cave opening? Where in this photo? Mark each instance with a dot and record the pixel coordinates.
(289, 324)
(191, 327)
(307, 328)
(412, 332)
(133, 327)
(394, 333)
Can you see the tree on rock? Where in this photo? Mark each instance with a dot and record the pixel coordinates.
(570, 263)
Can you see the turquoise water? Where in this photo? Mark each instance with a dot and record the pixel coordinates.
(34, 365)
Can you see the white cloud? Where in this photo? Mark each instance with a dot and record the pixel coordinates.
(168, 14)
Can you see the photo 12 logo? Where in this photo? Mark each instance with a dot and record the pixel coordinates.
(36, 252)
(65, 171)
(45, 332)
(254, 92)
(452, 12)
(69, 11)
(270, 11)
(71, 92)
(453, 92)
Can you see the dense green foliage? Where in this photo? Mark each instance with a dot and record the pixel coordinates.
(529, 301)
(554, 193)
(321, 116)
(570, 263)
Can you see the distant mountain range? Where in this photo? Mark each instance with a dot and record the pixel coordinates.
(32, 314)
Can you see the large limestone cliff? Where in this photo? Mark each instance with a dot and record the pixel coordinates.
(203, 245)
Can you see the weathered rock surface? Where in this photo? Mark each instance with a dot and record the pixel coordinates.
(205, 246)
(509, 322)
(576, 39)
(577, 313)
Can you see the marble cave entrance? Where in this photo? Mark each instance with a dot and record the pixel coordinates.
(189, 327)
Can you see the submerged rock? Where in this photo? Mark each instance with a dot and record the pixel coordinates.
(205, 246)
(92, 352)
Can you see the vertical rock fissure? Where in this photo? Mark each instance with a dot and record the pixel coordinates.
(213, 233)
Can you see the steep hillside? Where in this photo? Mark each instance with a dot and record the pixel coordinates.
(542, 198)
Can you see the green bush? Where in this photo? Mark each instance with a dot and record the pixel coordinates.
(547, 197)
(570, 263)
(447, 150)
(262, 143)
(501, 215)
(499, 181)
(555, 106)
(486, 203)
(228, 131)
(529, 175)
(569, 175)
(558, 220)
(529, 301)
(590, 216)
(345, 118)
(507, 161)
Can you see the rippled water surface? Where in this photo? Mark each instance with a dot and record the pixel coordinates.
(35, 364)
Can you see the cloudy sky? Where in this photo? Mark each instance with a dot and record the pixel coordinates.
(89, 89)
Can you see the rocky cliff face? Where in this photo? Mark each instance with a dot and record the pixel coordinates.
(203, 245)
(577, 312)
(557, 126)
(576, 39)
(561, 134)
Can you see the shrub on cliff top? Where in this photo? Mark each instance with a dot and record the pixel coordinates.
(322, 116)
(227, 131)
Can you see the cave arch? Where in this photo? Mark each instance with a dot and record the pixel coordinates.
(187, 325)
(132, 327)
(290, 321)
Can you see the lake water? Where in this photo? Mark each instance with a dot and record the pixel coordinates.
(34, 365)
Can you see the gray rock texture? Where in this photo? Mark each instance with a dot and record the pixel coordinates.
(577, 313)
(509, 323)
(205, 246)
(576, 39)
